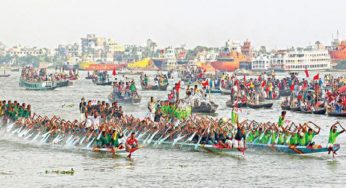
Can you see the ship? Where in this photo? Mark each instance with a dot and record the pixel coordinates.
(92, 66)
(144, 64)
(338, 55)
(229, 58)
(166, 59)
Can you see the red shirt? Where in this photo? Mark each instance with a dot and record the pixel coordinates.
(131, 141)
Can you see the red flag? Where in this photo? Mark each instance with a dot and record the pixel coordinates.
(263, 83)
(114, 72)
(306, 73)
(177, 88)
(292, 87)
(317, 76)
(205, 83)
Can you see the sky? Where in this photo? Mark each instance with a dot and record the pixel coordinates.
(273, 23)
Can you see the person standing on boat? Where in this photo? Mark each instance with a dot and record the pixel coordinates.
(282, 119)
(151, 107)
(333, 134)
(131, 144)
(239, 136)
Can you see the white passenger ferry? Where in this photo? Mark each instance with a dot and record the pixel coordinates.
(312, 58)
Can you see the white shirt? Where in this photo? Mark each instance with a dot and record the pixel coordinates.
(96, 122)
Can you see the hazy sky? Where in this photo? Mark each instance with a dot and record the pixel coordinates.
(274, 23)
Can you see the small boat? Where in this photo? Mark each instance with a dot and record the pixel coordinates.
(91, 77)
(130, 73)
(260, 105)
(319, 110)
(291, 149)
(151, 87)
(44, 85)
(285, 107)
(102, 83)
(14, 69)
(64, 83)
(205, 107)
(304, 110)
(337, 114)
(4, 75)
(284, 93)
(116, 98)
(213, 90)
(295, 109)
(225, 91)
(230, 104)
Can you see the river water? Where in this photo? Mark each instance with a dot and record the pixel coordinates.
(23, 164)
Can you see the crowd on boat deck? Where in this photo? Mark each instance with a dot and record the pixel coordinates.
(97, 112)
(124, 89)
(101, 76)
(159, 79)
(11, 111)
(31, 74)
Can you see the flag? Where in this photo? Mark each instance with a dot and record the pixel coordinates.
(306, 73)
(114, 72)
(177, 88)
(263, 83)
(292, 87)
(205, 83)
(317, 76)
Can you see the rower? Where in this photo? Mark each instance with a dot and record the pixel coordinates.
(310, 135)
(131, 144)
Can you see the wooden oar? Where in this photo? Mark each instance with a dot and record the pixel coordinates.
(201, 136)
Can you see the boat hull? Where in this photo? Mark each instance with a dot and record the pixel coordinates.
(226, 66)
(205, 108)
(284, 93)
(290, 149)
(230, 103)
(37, 85)
(335, 114)
(321, 111)
(132, 100)
(263, 105)
(159, 88)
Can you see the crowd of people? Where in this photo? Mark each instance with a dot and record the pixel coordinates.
(159, 80)
(11, 111)
(29, 73)
(124, 89)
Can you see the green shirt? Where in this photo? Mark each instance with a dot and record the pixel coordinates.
(302, 140)
(309, 137)
(234, 117)
(250, 137)
(281, 121)
(294, 139)
(332, 137)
